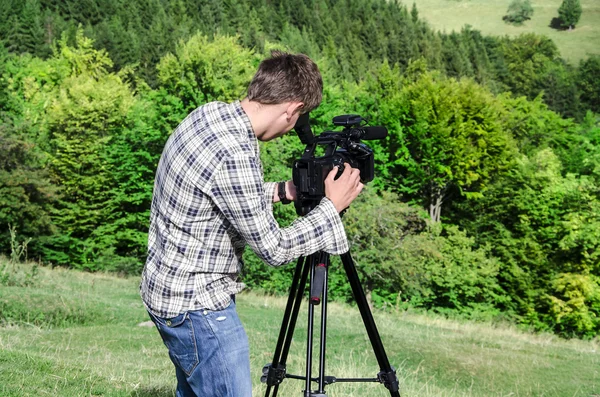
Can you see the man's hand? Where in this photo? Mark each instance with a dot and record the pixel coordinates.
(345, 189)
(290, 190)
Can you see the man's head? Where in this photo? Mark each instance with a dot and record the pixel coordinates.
(285, 86)
(287, 78)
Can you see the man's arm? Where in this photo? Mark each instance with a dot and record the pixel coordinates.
(238, 191)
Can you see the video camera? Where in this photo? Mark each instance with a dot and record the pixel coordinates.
(309, 172)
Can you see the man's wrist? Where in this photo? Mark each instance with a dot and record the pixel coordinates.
(282, 193)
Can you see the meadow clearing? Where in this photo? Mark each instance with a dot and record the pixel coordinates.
(486, 16)
(72, 333)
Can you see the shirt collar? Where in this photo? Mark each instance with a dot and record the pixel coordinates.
(239, 111)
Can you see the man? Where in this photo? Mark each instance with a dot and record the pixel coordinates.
(209, 201)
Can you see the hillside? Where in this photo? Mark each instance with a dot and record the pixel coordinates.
(72, 333)
(486, 16)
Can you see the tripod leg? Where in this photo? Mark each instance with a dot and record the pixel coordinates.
(294, 317)
(273, 374)
(387, 374)
(318, 288)
(309, 337)
(325, 262)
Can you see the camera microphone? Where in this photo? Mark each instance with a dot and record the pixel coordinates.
(369, 133)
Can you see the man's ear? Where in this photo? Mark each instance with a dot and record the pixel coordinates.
(293, 108)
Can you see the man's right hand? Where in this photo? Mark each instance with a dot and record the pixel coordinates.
(345, 189)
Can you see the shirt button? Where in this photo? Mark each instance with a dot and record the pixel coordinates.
(169, 323)
(205, 312)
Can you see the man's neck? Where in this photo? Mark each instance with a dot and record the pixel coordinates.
(257, 115)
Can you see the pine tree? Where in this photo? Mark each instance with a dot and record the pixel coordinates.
(31, 28)
(569, 13)
(6, 10)
(414, 13)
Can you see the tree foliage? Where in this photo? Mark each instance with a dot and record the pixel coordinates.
(450, 141)
(588, 81)
(569, 13)
(204, 70)
(26, 195)
(352, 35)
(518, 12)
(540, 224)
(478, 143)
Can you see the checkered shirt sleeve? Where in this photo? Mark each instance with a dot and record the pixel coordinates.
(238, 191)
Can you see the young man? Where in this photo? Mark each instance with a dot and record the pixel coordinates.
(209, 201)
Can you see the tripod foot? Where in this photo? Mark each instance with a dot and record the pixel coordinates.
(389, 380)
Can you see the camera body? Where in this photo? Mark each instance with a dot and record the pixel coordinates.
(328, 150)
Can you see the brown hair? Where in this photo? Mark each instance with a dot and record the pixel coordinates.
(287, 77)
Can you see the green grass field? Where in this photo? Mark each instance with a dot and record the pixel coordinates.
(78, 334)
(486, 16)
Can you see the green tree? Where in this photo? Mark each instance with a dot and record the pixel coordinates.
(24, 32)
(530, 65)
(89, 109)
(26, 195)
(583, 156)
(588, 82)
(120, 241)
(204, 70)
(402, 261)
(122, 44)
(559, 88)
(526, 59)
(414, 13)
(535, 127)
(4, 95)
(569, 13)
(450, 142)
(518, 12)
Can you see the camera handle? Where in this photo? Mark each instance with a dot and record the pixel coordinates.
(318, 266)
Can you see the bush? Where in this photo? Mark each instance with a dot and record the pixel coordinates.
(574, 305)
(518, 12)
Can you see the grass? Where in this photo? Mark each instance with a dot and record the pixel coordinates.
(79, 334)
(486, 16)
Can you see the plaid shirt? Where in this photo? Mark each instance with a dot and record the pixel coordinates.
(209, 201)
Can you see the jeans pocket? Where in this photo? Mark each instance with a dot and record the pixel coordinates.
(178, 335)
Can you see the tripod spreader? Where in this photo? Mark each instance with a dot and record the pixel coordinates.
(389, 380)
(273, 375)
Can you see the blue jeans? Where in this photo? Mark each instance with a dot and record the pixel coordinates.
(210, 352)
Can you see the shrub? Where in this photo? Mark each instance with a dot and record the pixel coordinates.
(518, 12)
(575, 305)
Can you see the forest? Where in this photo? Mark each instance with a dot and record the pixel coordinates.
(486, 202)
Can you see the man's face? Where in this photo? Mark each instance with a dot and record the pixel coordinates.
(283, 124)
(289, 125)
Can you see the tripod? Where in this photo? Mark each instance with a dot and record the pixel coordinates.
(317, 264)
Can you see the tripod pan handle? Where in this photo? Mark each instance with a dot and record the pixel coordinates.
(316, 285)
